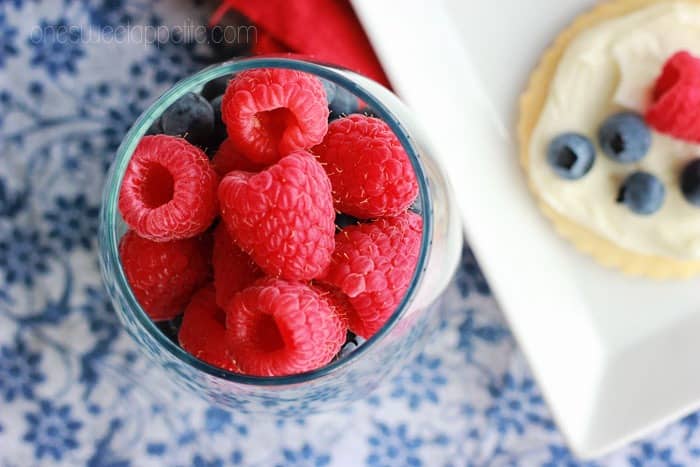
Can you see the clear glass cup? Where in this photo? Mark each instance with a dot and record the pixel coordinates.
(346, 379)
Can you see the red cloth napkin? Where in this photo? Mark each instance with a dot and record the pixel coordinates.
(327, 30)
(265, 43)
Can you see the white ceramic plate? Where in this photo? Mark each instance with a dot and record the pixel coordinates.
(614, 356)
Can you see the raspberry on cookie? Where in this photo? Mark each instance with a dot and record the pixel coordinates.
(675, 106)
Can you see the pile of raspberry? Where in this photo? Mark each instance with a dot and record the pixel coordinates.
(293, 244)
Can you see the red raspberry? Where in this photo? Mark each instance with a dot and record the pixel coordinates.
(164, 275)
(336, 299)
(233, 269)
(271, 112)
(169, 189)
(368, 167)
(203, 330)
(283, 216)
(373, 265)
(278, 328)
(227, 159)
(675, 106)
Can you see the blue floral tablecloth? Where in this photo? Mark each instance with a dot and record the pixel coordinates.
(74, 389)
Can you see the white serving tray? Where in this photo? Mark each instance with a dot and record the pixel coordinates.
(615, 357)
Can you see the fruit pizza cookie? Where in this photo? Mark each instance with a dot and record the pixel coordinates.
(609, 134)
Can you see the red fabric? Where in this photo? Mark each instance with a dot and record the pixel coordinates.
(326, 30)
(265, 44)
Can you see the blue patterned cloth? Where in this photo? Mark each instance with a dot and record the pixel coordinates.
(74, 389)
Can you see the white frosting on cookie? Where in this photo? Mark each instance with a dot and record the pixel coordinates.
(606, 69)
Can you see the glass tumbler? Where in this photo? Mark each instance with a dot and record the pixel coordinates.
(346, 379)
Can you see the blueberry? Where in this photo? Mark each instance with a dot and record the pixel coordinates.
(344, 220)
(571, 155)
(344, 103)
(191, 116)
(170, 328)
(624, 137)
(330, 88)
(156, 128)
(690, 182)
(352, 342)
(642, 192)
(215, 87)
(219, 134)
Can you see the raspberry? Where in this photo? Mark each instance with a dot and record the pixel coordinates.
(373, 265)
(675, 106)
(336, 299)
(169, 189)
(271, 112)
(203, 330)
(278, 328)
(233, 269)
(164, 275)
(227, 159)
(368, 167)
(282, 216)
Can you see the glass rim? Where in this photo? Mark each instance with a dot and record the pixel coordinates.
(109, 241)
